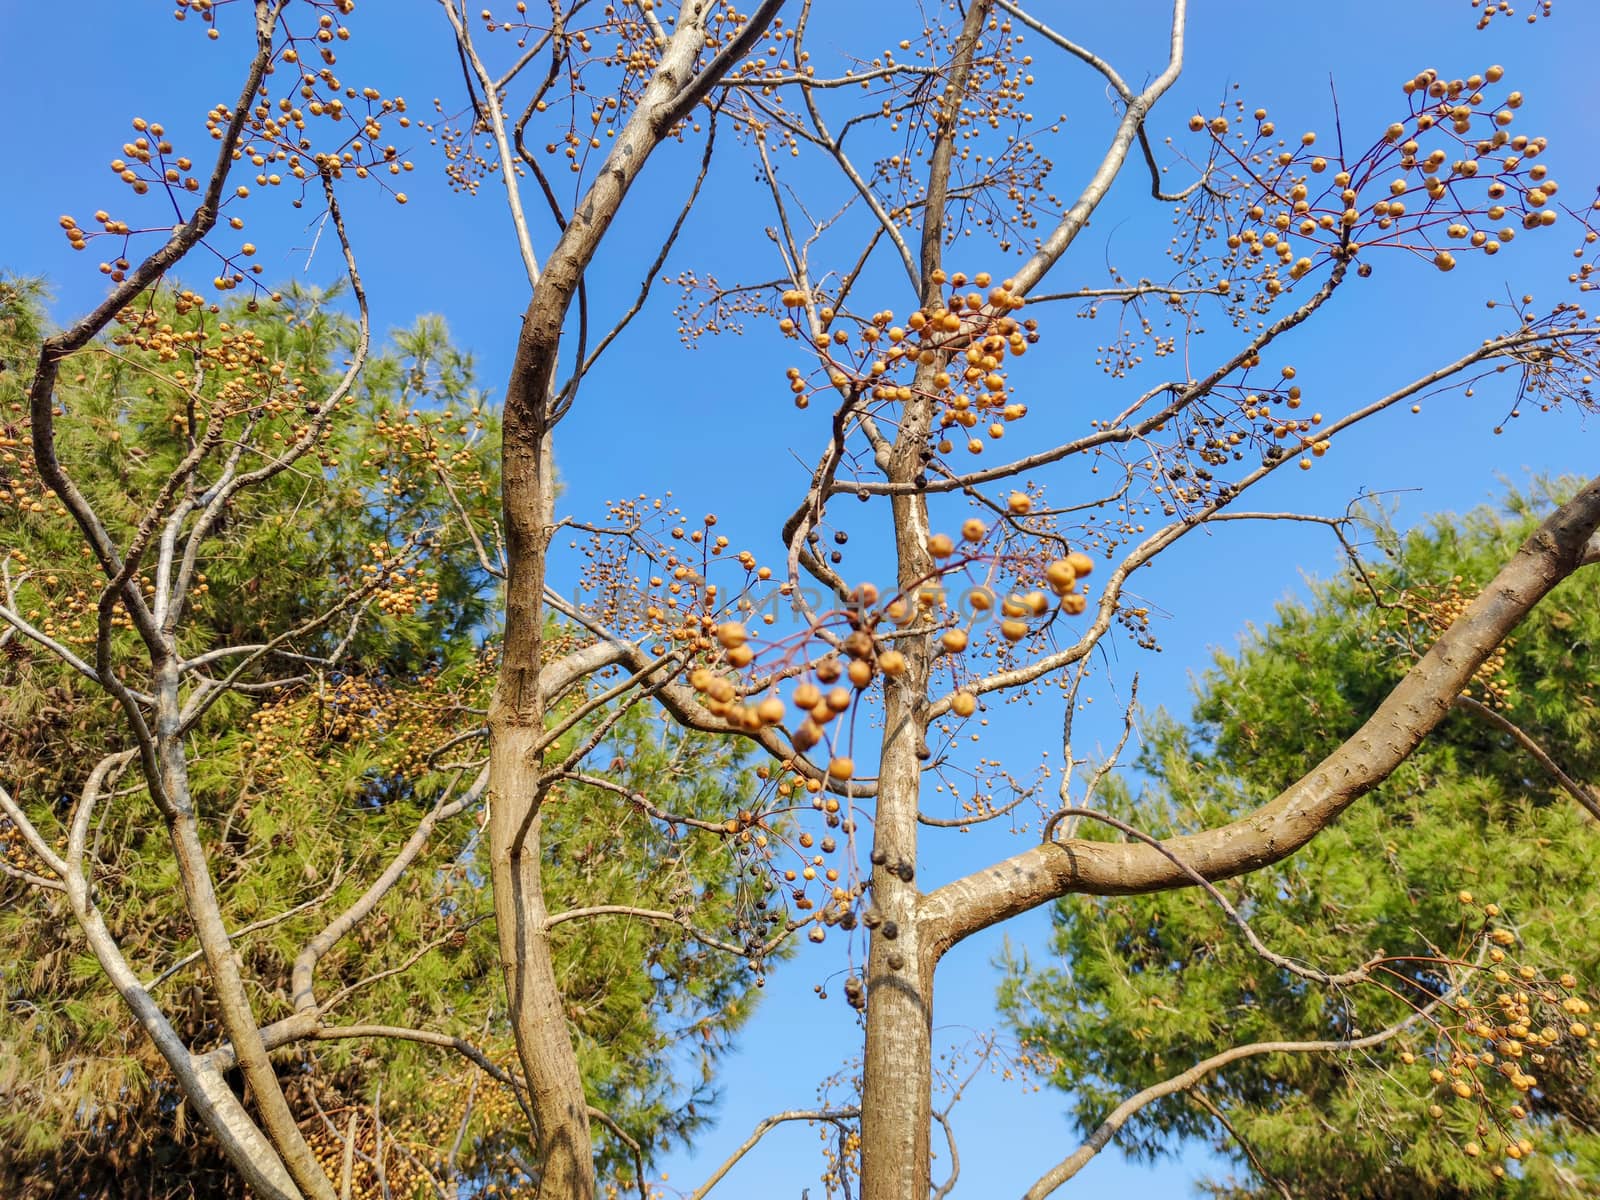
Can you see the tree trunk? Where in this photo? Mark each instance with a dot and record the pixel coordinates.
(897, 1086)
(538, 1017)
(516, 791)
(516, 715)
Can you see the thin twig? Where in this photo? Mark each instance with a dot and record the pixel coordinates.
(834, 1115)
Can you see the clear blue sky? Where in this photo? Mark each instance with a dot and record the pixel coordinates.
(71, 77)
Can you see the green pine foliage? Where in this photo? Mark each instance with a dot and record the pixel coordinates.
(1470, 837)
(311, 776)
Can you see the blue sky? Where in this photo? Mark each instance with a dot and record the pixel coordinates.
(655, 418)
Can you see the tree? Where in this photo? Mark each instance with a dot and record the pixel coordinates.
(308, 788)
(855, 691)
(1485, 827)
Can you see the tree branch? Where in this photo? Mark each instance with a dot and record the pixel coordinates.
(302, 979)
(660, 918)
(497, 125)
(1138, 107)
(1119, 1116)
(1279, 828)
(1585, 796)
(835, 1115)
